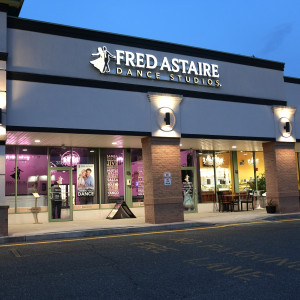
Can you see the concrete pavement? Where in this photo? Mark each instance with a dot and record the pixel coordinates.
(75, 229)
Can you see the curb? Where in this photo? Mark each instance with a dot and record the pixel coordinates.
(132, 229)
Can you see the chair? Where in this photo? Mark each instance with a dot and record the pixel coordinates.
(224, 204)
(247, 198)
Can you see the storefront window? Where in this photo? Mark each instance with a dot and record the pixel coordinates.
(187, 158)
(60, 157)
(223, 171)
(10, 165)
(246, 171)
(113, 175)
(260, 164)
(85, 176)
(31, 176)
(137, 173)
(207, 176)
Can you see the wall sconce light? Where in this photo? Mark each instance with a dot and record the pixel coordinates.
(287, 127)
(167, 118)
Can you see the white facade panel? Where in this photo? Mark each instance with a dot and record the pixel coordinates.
(61, 106)
(208, 117)
(63, 56)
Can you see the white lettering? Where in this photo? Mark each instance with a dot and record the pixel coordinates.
(165, 64)
(119, 56)
(200, 68)
(150, 57)
(192, 68)
(215, 71)
(206, 70)
(140, 60)
(175, 67)
(183, 63)
(129, 59)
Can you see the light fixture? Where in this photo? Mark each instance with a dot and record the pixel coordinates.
(25, 150)
(92, 151)
(250, 161)
(114, 143)
(209, 161)
(180, 145)
(37, 141)
(233, 147)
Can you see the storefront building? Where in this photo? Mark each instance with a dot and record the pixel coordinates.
(161, 126)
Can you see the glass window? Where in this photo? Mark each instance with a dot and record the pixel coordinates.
(187, 158)
(10, 165)
(207, 176)
(137, 173)
(60, 157)
(85, 176)
(31, 176)
(223, 171)
(245, 171)
(113, 175)
(260, 164)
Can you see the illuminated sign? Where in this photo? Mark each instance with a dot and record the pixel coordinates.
(140, 65)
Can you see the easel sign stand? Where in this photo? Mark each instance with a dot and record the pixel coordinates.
(35, 210)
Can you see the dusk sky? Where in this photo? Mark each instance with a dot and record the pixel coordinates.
(268, 29)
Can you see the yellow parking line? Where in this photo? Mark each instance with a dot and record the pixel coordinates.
(146, 233)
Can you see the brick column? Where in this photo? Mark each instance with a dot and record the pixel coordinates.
(281, 176)
(163, 203)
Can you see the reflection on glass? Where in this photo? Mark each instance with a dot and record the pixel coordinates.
(260, 164)
(10, 164)
(137, 175)
(31, 176)
(223, 171)
(207, 174)
(245, 171)
(61, 194)
(60, 157)
(187, 158)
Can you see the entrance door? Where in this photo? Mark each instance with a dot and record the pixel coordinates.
(60, 194)
(189, 189)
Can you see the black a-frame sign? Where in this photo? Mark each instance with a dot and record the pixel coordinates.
(120, 211)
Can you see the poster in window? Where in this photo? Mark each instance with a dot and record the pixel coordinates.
(187, 189)
(85, 180)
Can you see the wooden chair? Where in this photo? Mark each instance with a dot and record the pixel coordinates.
(247, 198)
(224, 204)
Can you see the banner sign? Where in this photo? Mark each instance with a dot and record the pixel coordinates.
(85, 180)
(148, 66)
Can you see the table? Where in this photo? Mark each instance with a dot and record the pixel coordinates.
(228, 201)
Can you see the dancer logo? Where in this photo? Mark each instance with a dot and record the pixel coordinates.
(102, 63)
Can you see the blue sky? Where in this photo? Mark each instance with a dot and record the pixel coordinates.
(268, 29)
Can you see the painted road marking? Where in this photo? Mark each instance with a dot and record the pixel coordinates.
(146, 233)
(240, 272)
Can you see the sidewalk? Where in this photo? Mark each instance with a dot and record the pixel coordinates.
(77, 229)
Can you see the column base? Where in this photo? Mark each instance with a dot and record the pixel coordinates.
(164, 213)
(4, 220)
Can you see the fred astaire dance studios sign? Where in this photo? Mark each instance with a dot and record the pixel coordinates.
(142, 65)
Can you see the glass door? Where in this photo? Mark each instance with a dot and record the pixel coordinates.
(189, 189)
(60, 194)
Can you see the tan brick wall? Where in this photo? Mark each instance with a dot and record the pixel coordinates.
(163, 204)
(281, 175)
(3, 220)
